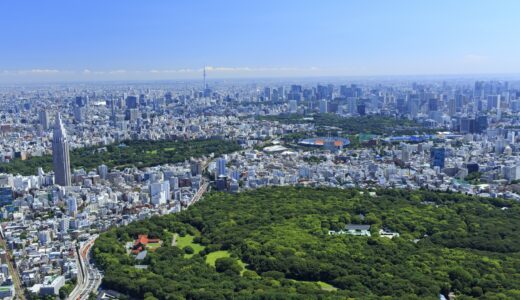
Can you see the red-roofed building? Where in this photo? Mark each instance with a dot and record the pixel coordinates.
(141, 242)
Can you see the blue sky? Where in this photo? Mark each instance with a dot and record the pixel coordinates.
(116, 39)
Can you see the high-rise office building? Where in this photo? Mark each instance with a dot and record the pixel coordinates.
(295, 92)
(361, 109)
(81, 101)
(131, 114)
(452, 107)
(221, 167)
(413, 105)
(293, 106)
(60, 154)
(493, 102)
(281, 93)
(6, 196)
(45, 121)
(459, 102)
(79, 114)
(196, 167)
(324, 92)
(267, 93)
(481, 124)
(131, 102)
(103, 171)
(352, 105)
(274, 95)
(400, 105)
(438, 156)
(72, 206)
(433, 104)
(324, 106)
(160, 192)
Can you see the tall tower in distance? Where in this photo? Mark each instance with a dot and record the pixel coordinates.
(204, 77)
(60, 154)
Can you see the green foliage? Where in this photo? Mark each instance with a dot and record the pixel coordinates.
(92, 296)
(448, 242)
(139, 153)
(473, 178)
(228, 264)
(314, 159)
(66, 290)
(188, 250)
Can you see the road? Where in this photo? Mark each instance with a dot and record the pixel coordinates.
(79, 281)
(89, 277)
(199, 193)
(13, 272)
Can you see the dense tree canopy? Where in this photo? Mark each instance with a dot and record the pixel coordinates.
(448, 243)
(139, 153)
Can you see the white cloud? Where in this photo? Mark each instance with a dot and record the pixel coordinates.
(37, 74)
(39, 71)
(118, 71)
(475, 58)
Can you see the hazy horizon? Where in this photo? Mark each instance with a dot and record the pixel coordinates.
(120, 40)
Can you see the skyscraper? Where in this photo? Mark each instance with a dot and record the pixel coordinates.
(60, 154)
(293, 106)
(221, 167)
(72, 205)
(323, 106)
(267, 93)
(44, 119)
(79, 114)
(438, 156)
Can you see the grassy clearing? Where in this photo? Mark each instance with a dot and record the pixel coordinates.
(187, 240)
(327, 287)
(153, 246)
(212, 257)
(323, 285)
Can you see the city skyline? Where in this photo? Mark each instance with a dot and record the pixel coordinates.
(74, 41)
(268, 149)
(147, 152)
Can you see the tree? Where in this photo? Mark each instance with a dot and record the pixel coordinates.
(282, 234)
(227, 264)
(188, 250)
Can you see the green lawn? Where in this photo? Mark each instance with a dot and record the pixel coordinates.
(187, 240)
(326, 287)
(212, 257)
(153, 246)
(323, 285)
